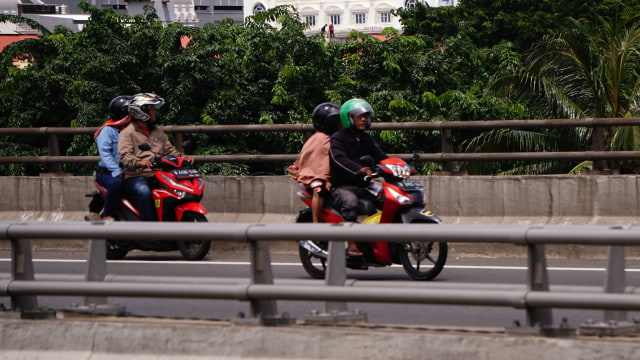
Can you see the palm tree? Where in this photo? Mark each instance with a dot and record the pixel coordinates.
(590, 70)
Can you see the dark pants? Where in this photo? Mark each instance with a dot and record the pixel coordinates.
(140, 187)
(114, 191)
(345, 198)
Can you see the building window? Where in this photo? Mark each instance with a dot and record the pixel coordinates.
(311, 20)
(361, 18)
(258, 8)
(385, 17)
(200, 5)
(409, 4)
(335, 19)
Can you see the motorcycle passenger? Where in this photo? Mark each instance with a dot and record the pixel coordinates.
(139, 177)
(109, 173)
(311, 169)
(346, 148)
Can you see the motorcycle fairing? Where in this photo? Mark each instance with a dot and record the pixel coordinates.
(190, 206)
(125, 203)
(328, 213)
(171, 161)
(420, 215)
(380, 248)
(390, 207)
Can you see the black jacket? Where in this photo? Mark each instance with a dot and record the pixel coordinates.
(345, 152)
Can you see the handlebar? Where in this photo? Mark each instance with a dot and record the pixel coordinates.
(369, 178)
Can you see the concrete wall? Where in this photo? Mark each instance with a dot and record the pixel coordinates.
(595, 200)
(477, 199)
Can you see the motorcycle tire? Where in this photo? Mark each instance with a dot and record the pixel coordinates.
(194, 250)
(423, 260)
(118, 249)
(115, 251)
(315, 266)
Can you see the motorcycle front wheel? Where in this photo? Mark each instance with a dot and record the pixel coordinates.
(314, 265)
(194, 250)
(423, 260)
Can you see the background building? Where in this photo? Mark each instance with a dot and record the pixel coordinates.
(367, 16)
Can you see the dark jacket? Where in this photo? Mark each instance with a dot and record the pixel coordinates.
(345, 152)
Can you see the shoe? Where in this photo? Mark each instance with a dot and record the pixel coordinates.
(92, 217)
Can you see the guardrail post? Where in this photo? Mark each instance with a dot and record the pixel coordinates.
(22, 269)
(96, 268)
(538, 280)
(336, 311)
(264, 311)
(614, 321)
(597, 144)
(615, 280)
(96, 271)
(336, 275)
(447, 148)
(54, 150)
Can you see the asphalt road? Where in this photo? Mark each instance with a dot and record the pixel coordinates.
(467, 270)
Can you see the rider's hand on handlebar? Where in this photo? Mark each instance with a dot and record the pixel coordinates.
(366, 171)
(144, 163)
(188, 159)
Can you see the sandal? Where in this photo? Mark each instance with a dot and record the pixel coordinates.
(354, 252)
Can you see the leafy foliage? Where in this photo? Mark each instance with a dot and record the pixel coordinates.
(269, 72)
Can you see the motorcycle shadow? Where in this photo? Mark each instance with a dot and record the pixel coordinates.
(143, 256)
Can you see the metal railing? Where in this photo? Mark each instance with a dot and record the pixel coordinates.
(447, 156)
(536, 297)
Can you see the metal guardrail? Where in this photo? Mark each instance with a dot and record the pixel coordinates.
(537, 297)
(447, 156)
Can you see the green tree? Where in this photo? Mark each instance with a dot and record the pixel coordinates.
(590, 70)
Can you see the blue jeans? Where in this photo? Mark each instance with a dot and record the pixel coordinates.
(114, 192)
(140, 188)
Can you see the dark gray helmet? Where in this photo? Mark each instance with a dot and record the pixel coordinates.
(119, 107)
(326, 117)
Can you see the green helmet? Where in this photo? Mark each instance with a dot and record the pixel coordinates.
(354, 107)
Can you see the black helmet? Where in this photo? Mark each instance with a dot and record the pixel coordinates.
(140, 104)
(118, 107)
(326, 117)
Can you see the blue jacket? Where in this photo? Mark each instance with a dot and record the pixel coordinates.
(107, 142)
(345, 152)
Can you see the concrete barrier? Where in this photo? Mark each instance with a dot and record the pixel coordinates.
(136, 338)
(558, 199)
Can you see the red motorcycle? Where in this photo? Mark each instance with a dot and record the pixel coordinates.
(177, 199)
(399, 202)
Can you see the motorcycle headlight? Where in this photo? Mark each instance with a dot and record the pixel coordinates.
(402, 199)
(181, 194)
(402, 172)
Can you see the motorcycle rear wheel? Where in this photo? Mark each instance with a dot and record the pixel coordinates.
(314, 265)
(194, 250)
(423, 260)
(115, 251)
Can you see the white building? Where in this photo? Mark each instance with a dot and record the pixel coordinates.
(367, 16)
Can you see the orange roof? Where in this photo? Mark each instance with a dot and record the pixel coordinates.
(6, 39)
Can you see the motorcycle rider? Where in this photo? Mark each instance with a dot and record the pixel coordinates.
(139, 177)
(109, 173)
(346, 148)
